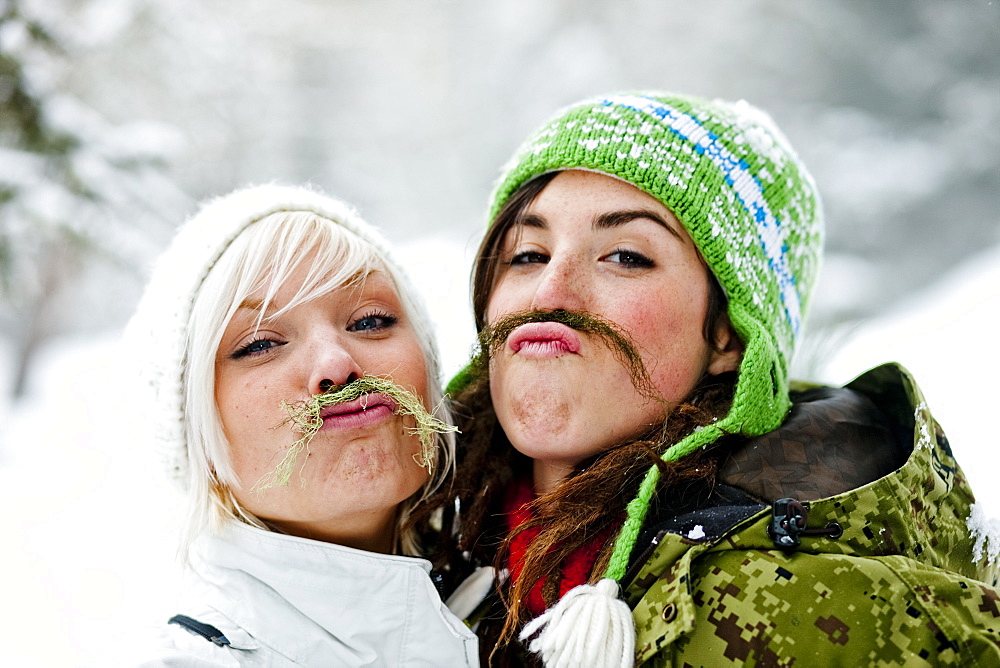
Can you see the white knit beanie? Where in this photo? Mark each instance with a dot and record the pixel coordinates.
(156, 336)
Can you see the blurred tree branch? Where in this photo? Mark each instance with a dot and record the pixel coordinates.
(73, 188)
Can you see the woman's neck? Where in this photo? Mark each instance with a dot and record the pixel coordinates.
(370, 534)
(547, 475)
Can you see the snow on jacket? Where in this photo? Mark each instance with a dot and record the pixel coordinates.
(885, 574)
(286, 601)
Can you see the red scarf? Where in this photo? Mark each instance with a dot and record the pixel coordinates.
(578, 565)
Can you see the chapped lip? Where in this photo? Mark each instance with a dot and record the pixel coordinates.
(552, 337)
(359, 405)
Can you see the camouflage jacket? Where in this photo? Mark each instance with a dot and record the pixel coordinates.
(884, 573)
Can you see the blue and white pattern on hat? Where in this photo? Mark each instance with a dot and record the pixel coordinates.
(746, 186)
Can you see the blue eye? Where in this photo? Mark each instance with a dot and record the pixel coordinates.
(629, 258)
(529, 257)
(373, 322)
(255, 347)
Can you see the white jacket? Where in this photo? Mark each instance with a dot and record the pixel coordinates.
(287, 601)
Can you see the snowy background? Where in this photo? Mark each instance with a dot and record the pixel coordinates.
(117, 116)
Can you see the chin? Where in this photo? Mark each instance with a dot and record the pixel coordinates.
(561, 443)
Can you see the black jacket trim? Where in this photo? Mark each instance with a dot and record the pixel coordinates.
(206, 631)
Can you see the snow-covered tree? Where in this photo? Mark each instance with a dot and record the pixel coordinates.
(73, 187)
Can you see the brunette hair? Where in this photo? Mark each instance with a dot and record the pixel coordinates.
(592, 500)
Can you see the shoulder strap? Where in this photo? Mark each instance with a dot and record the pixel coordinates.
(206, 631)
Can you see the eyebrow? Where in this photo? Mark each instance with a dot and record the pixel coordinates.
(251, 304)
(609, 220)
(612, 219)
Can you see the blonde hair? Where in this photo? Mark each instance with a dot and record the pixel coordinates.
(262, 257)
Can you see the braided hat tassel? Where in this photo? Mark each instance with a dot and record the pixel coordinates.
(591, 625)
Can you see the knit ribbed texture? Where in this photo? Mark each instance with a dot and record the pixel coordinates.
(733, 181)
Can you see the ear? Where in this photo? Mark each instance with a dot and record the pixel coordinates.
(727, 350)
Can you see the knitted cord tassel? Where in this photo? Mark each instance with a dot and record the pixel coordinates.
(591, 625)
(609, 632)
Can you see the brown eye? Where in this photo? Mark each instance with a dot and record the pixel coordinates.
(629, 258)
(529, 257)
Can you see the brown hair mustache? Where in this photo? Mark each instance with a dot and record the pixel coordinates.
(493, 337)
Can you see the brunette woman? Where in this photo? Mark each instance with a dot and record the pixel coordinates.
(636, 463)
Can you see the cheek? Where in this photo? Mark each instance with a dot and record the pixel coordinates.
(495, 308)
(251, 415)
(668, 312)
(404, 364)
(240, 399)
(228, 403)
(508, 296)
(417, 373)
(668, 332)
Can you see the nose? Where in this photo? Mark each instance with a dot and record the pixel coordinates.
(331, 365)
(562, 285)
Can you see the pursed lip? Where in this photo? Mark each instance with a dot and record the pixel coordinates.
(544, 339)
(366, 410)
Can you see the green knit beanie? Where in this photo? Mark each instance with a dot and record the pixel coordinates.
(752, 209)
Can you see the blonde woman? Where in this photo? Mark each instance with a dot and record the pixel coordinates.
(294, 396)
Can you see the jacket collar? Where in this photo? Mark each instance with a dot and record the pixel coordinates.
(919, 511)
(299, 596)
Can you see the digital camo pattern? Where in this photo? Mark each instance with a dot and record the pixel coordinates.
(899, 587)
